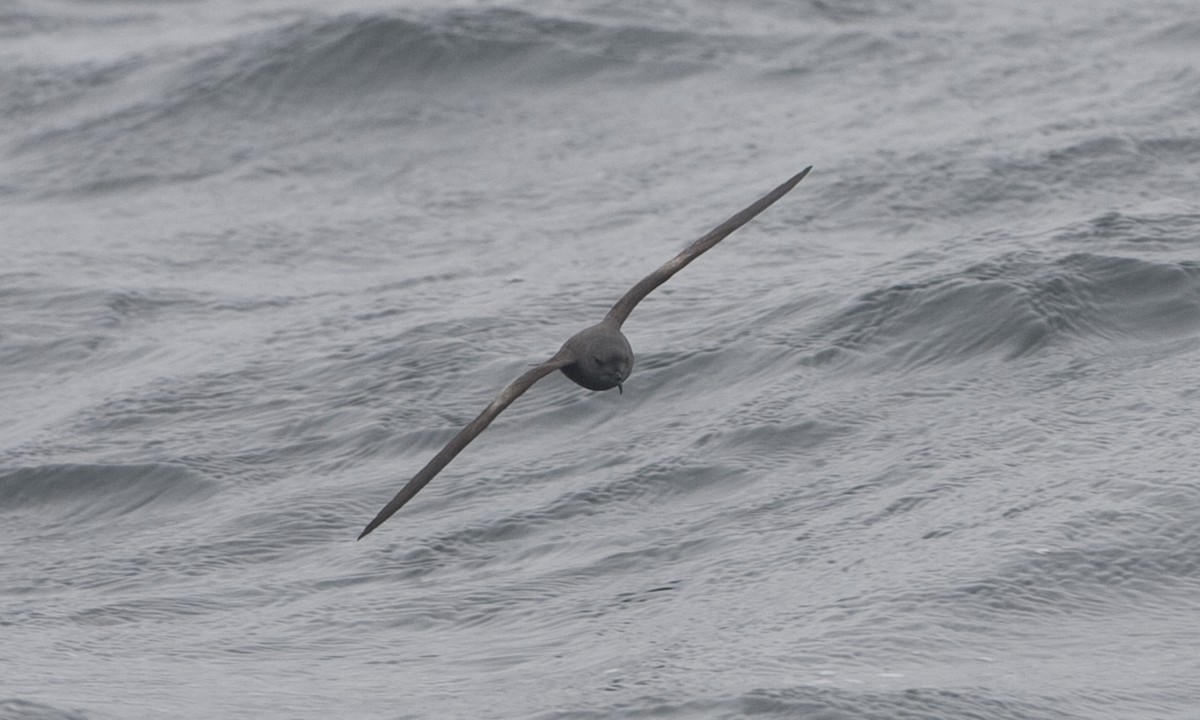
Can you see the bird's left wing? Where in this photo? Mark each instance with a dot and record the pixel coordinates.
(511, 392)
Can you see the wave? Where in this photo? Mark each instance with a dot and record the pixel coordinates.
(183, 114)
(18, 709)
(807, 699)
(75, 328)
(1018, 304)
(350, 55)
(69, 493)
(191, 113)
(333, 59)
(1096, 575)
(324, 59)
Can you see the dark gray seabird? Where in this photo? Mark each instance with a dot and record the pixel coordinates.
(598, 357)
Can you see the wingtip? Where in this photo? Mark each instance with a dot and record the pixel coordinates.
(367, 530)
(787, 186)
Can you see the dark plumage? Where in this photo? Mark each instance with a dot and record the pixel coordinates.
(597, 357)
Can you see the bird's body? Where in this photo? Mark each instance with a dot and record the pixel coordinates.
(603, 358)
(597, 357)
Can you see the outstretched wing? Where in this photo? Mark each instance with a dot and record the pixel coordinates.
(629, 301)
(467, 434)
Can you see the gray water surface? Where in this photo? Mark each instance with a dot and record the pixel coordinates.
(920, 441)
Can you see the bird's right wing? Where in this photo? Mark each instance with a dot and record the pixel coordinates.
(511, 392)
(629, 300)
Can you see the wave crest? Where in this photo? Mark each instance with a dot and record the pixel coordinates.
(1021, 303)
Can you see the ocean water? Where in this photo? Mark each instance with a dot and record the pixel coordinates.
(918, 442)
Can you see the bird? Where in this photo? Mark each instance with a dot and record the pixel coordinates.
(597, 358)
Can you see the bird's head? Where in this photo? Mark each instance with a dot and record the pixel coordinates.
(603, 358)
